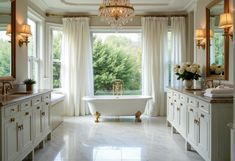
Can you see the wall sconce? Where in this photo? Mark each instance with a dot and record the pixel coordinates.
(226, 22)
(200, 37)
(25, 33)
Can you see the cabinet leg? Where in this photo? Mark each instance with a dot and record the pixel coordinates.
(49, 136)
(188, 147)
(42, 144)
(168, 124)
(97, 116)
(173, 130)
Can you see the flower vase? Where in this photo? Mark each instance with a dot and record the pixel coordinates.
(188, 84)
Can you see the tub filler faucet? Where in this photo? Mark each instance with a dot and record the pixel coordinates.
(118, 87)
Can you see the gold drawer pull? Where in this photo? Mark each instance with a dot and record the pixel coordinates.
(181, 104)
(12, 119)
(191, 101)
(174, 100)
(191, 109)
(43, 113)
(47, 103)
(26, 113)
(202, 106)
(38, 100)
(19, 127)
(171, 103)
(202, 116)
(13, 110)
(178, 109)
(26, 104)
(38, 107)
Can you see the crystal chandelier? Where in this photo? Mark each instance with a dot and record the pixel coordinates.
(116, 12)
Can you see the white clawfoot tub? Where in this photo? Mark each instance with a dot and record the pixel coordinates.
(117, 105)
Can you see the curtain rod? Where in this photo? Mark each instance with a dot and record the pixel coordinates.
(86, 15)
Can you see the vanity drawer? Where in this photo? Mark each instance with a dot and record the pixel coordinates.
(11, 110)
(36, 100)
(46, 98)
(183, 98)
(25, 105)
(205, 107)
(176, 95)
(192, 102)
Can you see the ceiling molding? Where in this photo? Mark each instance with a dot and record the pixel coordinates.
(190, 6)
(41, 4)
(98, 4)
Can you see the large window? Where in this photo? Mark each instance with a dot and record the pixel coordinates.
(117, 56)
(56, 56)
(33, 53)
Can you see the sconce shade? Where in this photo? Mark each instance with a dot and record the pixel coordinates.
(200, 34)
(26, 30)
(226, 20)
(8, 32)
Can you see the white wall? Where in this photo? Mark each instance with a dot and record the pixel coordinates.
(200, 22)
(21, 52)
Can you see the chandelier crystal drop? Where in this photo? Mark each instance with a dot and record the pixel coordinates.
(116, 12)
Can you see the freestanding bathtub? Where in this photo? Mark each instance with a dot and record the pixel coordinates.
(117, 105)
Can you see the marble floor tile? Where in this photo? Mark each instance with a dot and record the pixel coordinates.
(115, 139)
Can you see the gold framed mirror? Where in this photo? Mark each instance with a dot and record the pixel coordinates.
(7, 40)
(217, 45)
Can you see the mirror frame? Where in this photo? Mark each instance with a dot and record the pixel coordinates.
(13, 44)
(226, 44)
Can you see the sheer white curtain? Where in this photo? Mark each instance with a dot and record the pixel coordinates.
(154, 48)
(178, 45)
(76, 74)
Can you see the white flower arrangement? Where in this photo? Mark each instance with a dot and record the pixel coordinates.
(187, 71)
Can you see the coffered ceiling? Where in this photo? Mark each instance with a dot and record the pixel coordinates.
(91, 6)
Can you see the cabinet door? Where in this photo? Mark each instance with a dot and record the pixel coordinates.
(12, 138)
(45, 117)
(37, 124)
(182, 119)
(204, 134)
(170, 111)
(27, 128)
(191, 126)
(176, 116)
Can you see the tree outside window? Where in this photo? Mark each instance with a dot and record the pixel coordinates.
(117, 56)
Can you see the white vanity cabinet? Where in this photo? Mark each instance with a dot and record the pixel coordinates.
(24, 124)
(202, 121)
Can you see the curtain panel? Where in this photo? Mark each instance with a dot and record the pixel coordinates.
(76, 71)
(178, 46)
(155, 30)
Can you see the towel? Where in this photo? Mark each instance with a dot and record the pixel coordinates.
(218, 95)
(220, 90)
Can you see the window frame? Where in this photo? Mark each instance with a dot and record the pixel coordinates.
(128, 29)
(39, 21)
(50, 27)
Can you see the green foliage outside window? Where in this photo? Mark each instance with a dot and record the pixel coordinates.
(116, 58)
(56, 49)
(5, 58)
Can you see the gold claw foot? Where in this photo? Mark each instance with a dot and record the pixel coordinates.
(97, 116)
(137, 116)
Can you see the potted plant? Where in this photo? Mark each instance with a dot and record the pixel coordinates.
(29, 84)
(188, 72)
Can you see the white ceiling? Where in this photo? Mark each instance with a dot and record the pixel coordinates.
(91, 6)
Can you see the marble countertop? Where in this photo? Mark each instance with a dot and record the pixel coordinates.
(199, 94)
(16, 96)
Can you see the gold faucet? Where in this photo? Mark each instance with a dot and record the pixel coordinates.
(118, 87)
(5, 89)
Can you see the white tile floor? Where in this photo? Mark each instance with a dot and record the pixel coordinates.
(80, 139)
